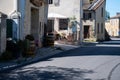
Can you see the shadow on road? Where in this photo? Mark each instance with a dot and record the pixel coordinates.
(111, 48)
(46, 73)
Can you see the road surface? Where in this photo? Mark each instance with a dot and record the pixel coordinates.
(89, 62)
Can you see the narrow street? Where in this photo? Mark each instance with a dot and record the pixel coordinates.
(49, 40)
(98, 61)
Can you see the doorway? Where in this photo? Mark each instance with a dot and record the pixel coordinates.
(86, 32)
(34, 22)
(50, 26)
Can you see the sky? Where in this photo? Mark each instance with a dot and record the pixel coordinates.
(113, 6)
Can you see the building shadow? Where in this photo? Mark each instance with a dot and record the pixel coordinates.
(46, 73)
(94, 49)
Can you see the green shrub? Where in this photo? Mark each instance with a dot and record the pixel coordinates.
(6, 56)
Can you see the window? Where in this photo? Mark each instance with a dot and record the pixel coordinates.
(102, 12)
(87, 16)
(51, 25)
(101, 27)
(83, 15)
(63, 24)
(91, 1)
(50, 1)
(98, 28)
(55, 2)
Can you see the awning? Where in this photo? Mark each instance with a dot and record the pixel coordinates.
(55, 15)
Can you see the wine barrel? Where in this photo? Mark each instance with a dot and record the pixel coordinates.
(31, 49)
(50, 40)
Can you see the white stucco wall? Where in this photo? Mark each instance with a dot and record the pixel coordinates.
(8, 6)
(13, 8)
(67, 8)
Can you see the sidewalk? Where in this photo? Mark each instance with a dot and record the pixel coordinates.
(41, 54)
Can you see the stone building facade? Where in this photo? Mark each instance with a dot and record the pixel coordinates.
(25, 17)
(2, 32)
(61, 13)
(94, 19)
(35, 19)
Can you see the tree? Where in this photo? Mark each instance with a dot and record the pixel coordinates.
(107, 15)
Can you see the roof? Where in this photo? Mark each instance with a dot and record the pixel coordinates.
(94, 5)
(114, 17)
(55, 15)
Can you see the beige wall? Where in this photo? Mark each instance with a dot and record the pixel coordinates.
(96, 18)
(112, 27)
(89, 22)
(100, 20)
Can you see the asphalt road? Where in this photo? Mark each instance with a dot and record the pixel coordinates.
(89, 62)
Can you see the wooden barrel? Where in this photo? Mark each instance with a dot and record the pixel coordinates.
(31, 49)
(50, 39)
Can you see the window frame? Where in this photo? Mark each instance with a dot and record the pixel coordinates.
(91, 1)
(98, 27)
(87, 16)
(102, 12)
(50, 1)
(101, 27)
(63, 24)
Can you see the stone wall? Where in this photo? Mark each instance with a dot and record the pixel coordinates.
(35, 18)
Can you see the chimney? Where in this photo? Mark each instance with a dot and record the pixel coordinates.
(118, 13)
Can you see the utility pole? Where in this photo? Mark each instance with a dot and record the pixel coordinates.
(79, 16)
(81, 25)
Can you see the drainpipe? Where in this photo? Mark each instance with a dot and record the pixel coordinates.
(95, 29)
(18, 18)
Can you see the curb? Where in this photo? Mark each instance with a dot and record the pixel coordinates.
(32, 60)
(28, 61)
